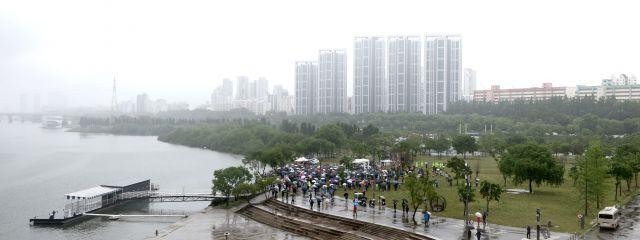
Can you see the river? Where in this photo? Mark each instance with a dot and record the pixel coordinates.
(38, 166)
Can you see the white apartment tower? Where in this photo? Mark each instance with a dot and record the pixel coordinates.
(443, 71)
(369, 74)
(243, 88)
(260, 89)
(332, 81)
(468, 84)
(306, 87)
(403, 73)
(227, 88)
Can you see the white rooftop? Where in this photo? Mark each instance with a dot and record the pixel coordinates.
(92, 192)
(361, 160)
(125, 182)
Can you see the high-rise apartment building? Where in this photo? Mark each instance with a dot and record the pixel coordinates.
(369, 74)
(227, 88)
(243, 88)
(332, 81)
(260, 89)
(306, 87)
(142, 103)
(468, 84)
(443, 71)
(280, 100)
(403, 73)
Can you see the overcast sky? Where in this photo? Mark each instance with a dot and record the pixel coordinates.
(181, 50)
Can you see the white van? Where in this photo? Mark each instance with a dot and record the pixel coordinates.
(609, 217)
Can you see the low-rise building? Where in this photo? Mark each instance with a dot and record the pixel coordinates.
(496, 94)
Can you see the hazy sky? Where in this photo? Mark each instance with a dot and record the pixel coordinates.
(181, 50)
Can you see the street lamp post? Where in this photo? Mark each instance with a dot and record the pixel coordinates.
(467, 178)
(538, 223)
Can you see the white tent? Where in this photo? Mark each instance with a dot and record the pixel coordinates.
(361, 160)
(385, 161)
(301, 159)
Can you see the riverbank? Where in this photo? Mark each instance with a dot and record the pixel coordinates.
(39, 166)
(129, 130)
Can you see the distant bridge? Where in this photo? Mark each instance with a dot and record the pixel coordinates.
(20, 117)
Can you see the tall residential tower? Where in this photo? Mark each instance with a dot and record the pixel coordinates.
(403, 73)
(306, 88)
(243, 88)
(332, 81)
(468, 84)
(443, 71)
(369, 74)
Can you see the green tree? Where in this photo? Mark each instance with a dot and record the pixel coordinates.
(441, 144)
(621, 168)
(225, 180)
(359, 150)
(346, 162)
(505, 165)
(490, 192)
(277, 155)
(573, 174)
(369, 131)
(332, 133)
(420, 190)
(458, 167)
(466, 197)
(264, 183)
(464, 144)
(532, 163)
(592, 173)
(245, 190)
(487, 144)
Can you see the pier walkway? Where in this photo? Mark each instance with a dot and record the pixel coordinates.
(182, 197)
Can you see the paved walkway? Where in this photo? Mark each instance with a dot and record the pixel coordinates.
(213, 223)
(440, 227)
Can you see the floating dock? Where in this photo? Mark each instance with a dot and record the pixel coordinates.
(89, 202)
(94, 199)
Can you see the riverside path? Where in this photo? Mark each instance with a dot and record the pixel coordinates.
(439, 227)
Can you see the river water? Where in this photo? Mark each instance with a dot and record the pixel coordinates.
(38, 166)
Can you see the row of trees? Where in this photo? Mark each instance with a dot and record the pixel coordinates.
(558, 110)
(592, 171)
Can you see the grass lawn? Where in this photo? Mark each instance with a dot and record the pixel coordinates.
(561, 204)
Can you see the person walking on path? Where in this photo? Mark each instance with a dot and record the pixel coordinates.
(425, 218)
(355, 208)
(484, 219)
(311, 203)
(478, 234)
(528, 232)
(395, 204)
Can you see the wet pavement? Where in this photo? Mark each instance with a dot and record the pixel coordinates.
(628, 223)
(213, 223)
(439, 228)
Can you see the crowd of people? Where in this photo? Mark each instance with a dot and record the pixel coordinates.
(320, 182)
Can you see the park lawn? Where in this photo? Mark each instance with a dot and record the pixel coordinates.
(560, 204)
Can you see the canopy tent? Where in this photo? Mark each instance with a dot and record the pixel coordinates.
(360, 161)
(301, 159)
(385, 161)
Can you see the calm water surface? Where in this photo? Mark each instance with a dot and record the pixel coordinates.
(38, 166)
